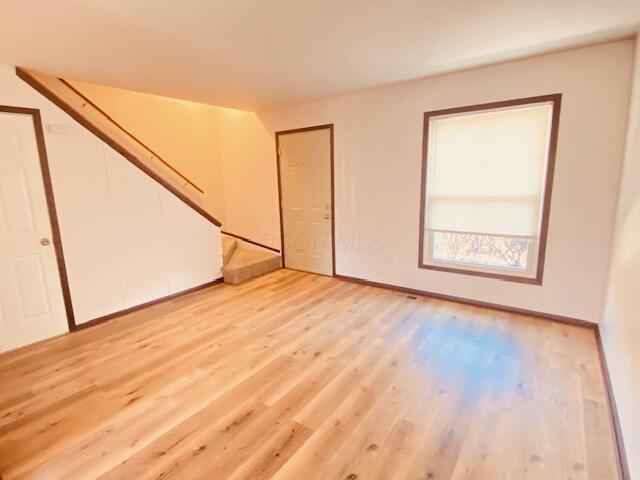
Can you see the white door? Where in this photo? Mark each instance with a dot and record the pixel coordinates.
(31, 302)
(305, 188)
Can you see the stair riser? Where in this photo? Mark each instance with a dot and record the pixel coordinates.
(245, 273)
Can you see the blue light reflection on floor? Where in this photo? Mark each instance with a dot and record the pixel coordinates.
(478, 358)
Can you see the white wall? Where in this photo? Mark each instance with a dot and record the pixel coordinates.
(126, 239)
(378, 141)
(621, 323)
(249, 174)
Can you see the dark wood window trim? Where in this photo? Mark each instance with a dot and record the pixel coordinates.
(331, 166)
(555, 99)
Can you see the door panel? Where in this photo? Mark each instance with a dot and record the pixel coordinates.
(305, 184)
(31, 301)
(16, 207)
(28, 276)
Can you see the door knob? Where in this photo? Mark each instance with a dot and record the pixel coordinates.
(326, 217)
(44, 242)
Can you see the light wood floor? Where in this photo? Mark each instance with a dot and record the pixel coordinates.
(298, 376)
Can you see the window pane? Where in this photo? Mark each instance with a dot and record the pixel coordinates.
(482, 250)
(486, 170)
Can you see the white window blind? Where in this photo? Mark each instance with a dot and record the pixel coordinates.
(486, 170)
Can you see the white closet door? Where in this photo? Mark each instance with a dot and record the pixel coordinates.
(31, 301)
(138, 230)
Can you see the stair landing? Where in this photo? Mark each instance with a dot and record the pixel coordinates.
(241, 263)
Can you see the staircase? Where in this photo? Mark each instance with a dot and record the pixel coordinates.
(98, 122)
(241, 261)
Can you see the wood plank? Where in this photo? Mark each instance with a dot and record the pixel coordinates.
(293, 375)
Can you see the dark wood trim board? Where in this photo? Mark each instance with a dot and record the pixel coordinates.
(621, 457)
(135, 308)
(82, 120)
(332, 169)
(51, 205)
(245, 239)
(476, 303)
(556, 100)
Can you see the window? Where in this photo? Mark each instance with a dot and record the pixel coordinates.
(486, 188)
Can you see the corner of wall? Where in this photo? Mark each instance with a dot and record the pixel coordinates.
(619, 326)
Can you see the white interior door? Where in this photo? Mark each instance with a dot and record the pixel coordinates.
(305, 188)
(31, 301)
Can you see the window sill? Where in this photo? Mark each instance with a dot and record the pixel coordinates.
(537, 280)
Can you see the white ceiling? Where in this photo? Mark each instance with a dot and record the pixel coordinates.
(256, 54)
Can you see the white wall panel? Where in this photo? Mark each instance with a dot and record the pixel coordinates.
(81, 191)
(126, 239)
(137, 220)
(193, 248)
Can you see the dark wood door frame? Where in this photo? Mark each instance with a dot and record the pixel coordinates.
(51, 205)
(331, 166)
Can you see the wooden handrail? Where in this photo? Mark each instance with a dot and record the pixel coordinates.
(74, 113)
(131, 135)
